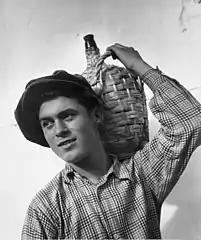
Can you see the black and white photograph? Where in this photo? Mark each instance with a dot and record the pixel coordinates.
(100, 119)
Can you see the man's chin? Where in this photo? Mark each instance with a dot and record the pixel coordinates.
(71, 157)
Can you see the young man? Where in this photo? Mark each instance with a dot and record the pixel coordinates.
(96, 196)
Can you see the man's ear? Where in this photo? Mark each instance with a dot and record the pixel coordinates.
(97, 115)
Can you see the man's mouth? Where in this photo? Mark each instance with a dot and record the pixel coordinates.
(67, 142)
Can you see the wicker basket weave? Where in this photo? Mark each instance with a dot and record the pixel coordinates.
(125, 118)
(92, 53)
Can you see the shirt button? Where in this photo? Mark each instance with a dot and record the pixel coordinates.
(116, 236)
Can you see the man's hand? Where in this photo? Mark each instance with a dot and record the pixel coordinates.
(130, 58)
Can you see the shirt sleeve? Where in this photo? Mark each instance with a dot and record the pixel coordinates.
(164, 158)
(38, 224)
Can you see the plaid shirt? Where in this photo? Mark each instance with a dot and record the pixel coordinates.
(126, 202)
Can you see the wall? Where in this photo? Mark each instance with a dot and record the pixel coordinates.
(38, 37)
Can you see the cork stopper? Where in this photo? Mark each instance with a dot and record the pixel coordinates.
(89, 41)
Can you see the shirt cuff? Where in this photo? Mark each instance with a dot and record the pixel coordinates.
(153, 78)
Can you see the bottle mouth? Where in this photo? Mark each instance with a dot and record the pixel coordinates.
(89, 41)
(89, 37)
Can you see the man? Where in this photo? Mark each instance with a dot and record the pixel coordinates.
(96, 196)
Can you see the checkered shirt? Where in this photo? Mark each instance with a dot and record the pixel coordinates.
(126, 202)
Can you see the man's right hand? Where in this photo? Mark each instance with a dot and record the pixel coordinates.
(130, 58)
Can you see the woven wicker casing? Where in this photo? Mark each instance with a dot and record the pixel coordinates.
(92, 54)
(125, 118)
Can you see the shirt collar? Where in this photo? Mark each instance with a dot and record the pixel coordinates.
(68, 173)
(119, 169)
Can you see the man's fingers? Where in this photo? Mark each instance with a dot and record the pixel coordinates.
(114, 56)
(119, 46)
(115, 46)
(114, 49)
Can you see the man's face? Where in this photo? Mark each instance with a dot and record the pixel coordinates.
(68, 129)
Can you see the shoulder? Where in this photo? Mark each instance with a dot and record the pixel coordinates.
(43, 213)
(130, 162)
(134, 164)
(48, 196)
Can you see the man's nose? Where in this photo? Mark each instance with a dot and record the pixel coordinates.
(61, 128)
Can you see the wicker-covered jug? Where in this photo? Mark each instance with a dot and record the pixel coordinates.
(125, 118)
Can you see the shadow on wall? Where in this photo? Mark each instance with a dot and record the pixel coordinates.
(185, 222)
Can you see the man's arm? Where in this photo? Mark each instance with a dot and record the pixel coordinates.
(164, 158)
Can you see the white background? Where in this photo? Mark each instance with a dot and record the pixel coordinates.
(40, 36)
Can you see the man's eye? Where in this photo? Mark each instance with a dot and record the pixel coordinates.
(69, 117)
(46, 124)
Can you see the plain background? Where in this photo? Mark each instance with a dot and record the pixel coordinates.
(40, 36)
